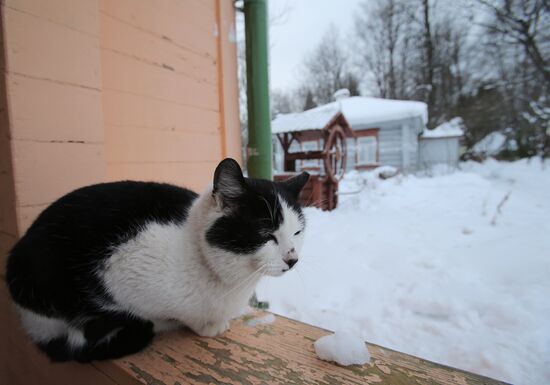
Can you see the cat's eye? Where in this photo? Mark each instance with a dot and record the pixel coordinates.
(297, 232)
(273, 238)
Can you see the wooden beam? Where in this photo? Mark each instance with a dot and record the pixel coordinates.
(305, 155)
(280, 139)
(281, 352)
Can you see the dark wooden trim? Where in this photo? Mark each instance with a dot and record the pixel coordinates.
(367, 132)
(305, 155)
(366, 166)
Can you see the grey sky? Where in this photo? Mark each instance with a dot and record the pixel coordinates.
(294, 36)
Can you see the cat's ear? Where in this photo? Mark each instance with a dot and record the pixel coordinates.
(229, 181)
(296, 183)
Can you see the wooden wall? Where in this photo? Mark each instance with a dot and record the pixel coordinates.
(98, 90)
(53, 121)
(149, 55)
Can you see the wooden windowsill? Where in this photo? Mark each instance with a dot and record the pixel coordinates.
(276, 353)
(365, 166)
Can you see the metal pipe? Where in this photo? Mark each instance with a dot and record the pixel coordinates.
(259, 151)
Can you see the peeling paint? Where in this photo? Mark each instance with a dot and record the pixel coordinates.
(147, 377)
(278, 353)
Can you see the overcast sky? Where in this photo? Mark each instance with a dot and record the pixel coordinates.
(293, 36)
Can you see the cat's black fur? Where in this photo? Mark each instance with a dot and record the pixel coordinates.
(257, 214)
(52, 270)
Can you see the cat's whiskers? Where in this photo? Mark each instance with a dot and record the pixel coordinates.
(244, 285)
(310, 195)
(319, 202)
(234, 275)
(255, 274)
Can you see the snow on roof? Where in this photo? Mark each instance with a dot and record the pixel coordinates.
(313, 119)
(452, 128)
(359, 111)
(362, 110)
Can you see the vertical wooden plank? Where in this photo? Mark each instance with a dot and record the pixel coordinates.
(228, 81)
(8, 215)
(219, 39)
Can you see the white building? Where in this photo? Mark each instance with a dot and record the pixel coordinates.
(386, 130)
(441, 146)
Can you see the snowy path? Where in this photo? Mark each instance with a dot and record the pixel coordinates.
(416, 264)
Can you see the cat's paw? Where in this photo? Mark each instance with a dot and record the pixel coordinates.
(213, 329)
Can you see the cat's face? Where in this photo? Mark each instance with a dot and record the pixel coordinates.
(261, 226)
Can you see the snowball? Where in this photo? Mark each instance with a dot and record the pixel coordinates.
(343, 348)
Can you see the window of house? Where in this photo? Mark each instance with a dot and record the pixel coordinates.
(311, 145)
(366, 150)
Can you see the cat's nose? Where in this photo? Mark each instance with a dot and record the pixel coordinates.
(291, 258)
(291, 262)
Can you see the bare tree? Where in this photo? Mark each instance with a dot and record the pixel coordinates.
(378, 28)
(326, 69)
(283, 102)
(518, 42)
(429, 83)
(525, 23)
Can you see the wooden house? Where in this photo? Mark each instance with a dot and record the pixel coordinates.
(317, 140)
(440, 147)
(386, 131)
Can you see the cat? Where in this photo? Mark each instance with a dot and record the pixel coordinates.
(105, 267)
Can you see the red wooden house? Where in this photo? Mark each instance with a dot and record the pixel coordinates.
(318, 141)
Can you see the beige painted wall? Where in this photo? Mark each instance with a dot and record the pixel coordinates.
(165, 70)
(108, 90)
(53, 107)
(98, 90)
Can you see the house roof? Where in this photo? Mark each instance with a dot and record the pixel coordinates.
(359, 111)
(312, 122)
(313, 119)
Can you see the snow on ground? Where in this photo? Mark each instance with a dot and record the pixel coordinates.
(429, 266)
(491, 144)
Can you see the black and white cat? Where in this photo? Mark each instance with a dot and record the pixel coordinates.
(106, 266)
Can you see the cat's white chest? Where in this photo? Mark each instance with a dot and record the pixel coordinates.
(159, 275)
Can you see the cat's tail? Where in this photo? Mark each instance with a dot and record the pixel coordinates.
(130, 338)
